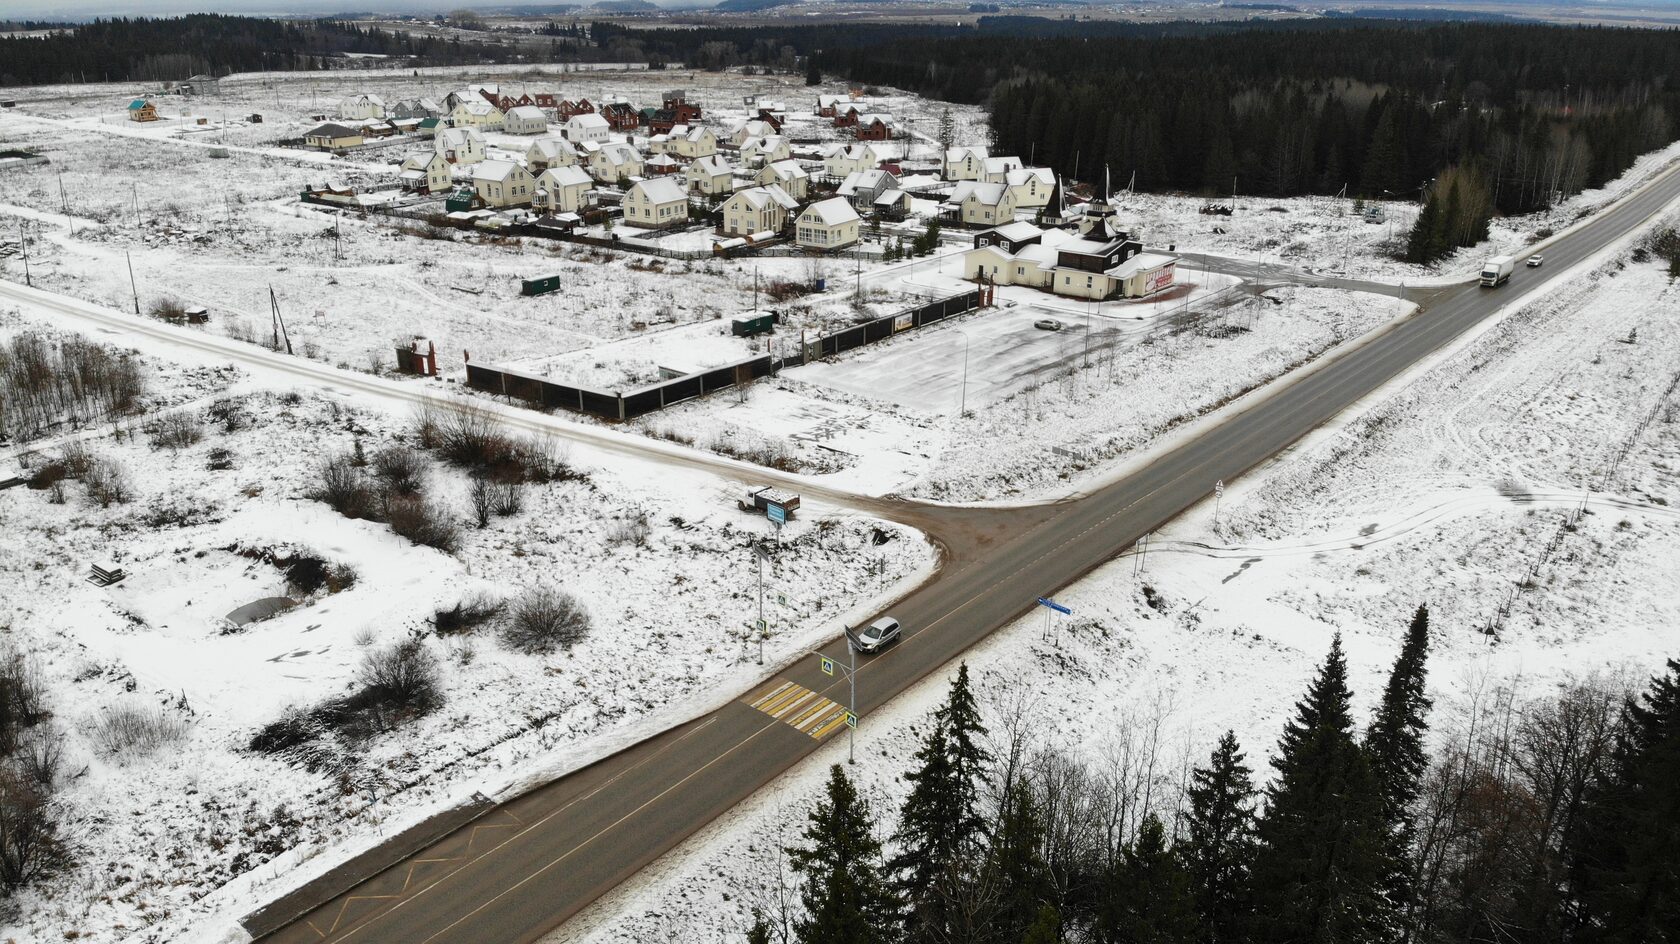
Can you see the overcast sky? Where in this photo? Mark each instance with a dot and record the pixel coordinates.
(83, 9)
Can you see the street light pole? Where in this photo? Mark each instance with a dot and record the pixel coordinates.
(963, 408)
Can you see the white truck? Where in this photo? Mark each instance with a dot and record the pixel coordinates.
(1497, 270)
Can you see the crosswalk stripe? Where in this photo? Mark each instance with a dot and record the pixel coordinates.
(771, 697)
(802, 709)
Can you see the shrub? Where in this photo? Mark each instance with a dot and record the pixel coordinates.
(306, 574)
(177, 431)
(424, 523)
(22, 699)
(545, 619)
(402, 677)
(467, 614)
(128, 729)
(168, 309)
(633, 530)
(400, 469)
(107, 483)
(30, 848)
(343, 488)
(45, 382)
(471, 436)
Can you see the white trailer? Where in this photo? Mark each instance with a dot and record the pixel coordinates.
(1497, 271)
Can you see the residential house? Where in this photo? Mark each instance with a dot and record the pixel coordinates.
(756, 152)
(758, 210)
(873, 128)
(429, 127)
(710, 175)
(621, 116)
(863, 186)
(425, 173)
(545, 100)
(330, 137)
(549, 152)
(1145, 274)
(827, 225)
(415, 108)
(775, 115)
(460, 145)
(1015, 254)
(525, 119)
(691, 141)
(566, 110)
(361, 107)
(201, 84)
(562, 190)
(1032, 186)
(612, 162)
(788, 175)
(965, 163)
(752, 128)
(503, 183)
(662, 165)
(842, 159)
(828, 106)
(477, 114)
(891, 205)
(980, 204)
(586, 128)
(656, 203)
(846, 116)
(142, 110)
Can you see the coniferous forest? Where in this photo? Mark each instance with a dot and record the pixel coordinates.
(1548, 820)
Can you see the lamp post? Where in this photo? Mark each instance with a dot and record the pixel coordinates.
(962, 409)
(828, 668)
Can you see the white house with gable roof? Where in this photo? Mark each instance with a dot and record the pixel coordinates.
(758, 210)
(562, 189)
(656, 203)
(460, 145)
(827, 225)
(525, 119)
(361, 107)
(586, 128)
(503, 183)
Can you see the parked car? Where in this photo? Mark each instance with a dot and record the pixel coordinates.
(1534, 261)
(1048, 324)
(877, 635)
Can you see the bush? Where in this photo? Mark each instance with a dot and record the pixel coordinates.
(400, 469)
(402, 678)
(306, 575)
(177, 431)
(107, 483)
(45, 382)
(22, 700)
(467, 614)
(545, 619)
(30, 848)
(134, 731)
(343, 488)
(168, 309)
(424, 523)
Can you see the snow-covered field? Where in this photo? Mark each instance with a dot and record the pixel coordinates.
(1461, 491)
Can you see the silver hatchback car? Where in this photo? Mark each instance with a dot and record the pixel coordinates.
(877, 635)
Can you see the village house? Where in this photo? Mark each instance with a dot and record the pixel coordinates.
(425, 173)
(472, 93)
(503, 183)
(827, 225)
(587, 128)
(612, 162)
(621, 116)
(846, 116)
(1015, 254)
(201, 84)
(562, 190)
(460, 145)
(415, 108)
(566, 109)
(995, 170)
(525, 119)
(142, 110)
(1089, 269)
(758, 210)
(655, 204)
(361, 107)
(477, 114)
(774, 115)
(842, 159)
(980, 204)
(550, 151)
(330, 137)
(863, 186)
(788, 175)
(429, 127)
(710, 175)
(691, 142)
(756, 152)
(965, 163)
(1032, 186)
(891, 205)
(873, 128)
(828, 106)
(662, 165)
(751, 128)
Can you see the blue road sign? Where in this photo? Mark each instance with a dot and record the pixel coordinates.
(1052, 604)
(776, 513)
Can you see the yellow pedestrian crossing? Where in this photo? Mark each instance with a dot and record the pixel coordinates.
(802, 708)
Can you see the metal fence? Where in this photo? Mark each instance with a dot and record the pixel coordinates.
(624, 405)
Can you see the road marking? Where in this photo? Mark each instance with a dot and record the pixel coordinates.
(802, 709)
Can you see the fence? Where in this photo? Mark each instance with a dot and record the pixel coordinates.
(619, 405)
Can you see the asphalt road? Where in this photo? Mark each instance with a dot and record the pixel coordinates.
(540, 859)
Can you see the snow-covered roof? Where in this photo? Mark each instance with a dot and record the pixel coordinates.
(586, 120)
(787, 170)
(455, 137)
(769, 142)
(419, 161)
(851, 152)
(711, 166)
(1038, 254)
(568, 176)
(494, 170)
(987, 194)
(619, 153)
(660, 190)
(761, 197)
(1142, 262)
(955, 155)
(1002, 165)
(476, 106)
(527, 112)
(1018, 231)
(865, 180)
(831, 212)
(1021, 175)
(551, 147)
(872, 118)
(890, 197)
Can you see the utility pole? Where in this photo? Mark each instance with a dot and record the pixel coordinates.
(23, 240)
(828, 667)
(64, 201)
(962, 410)
(131, 284)
(134, 191)
(762, 627)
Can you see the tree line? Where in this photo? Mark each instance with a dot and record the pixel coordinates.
(146, 49)
(1546, 821)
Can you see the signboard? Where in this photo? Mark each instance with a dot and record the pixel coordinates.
(827, 665)
(781, 598)
(1219, 488)
(1052, 604)
(851, 719)
(903, 323)
(776, 513)
(1159, 279)
(760, 625)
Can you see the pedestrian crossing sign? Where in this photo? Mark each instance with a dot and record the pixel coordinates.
(851, 719)
(827, 665)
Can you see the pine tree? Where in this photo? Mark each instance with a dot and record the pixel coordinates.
(1316, 872)
(1015, 864)
(1219, 843)
(940, 829)
(1423, 244)
(1626, 860)
(845, 895)
(813, 75)
(1395, 750)
(947, 130)
(759, 933)
(1148, 898)
(1046, 927)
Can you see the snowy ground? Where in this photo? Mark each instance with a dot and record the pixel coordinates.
(201, 810)
(1461, 491)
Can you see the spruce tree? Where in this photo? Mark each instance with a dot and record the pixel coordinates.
(1422, 243)
(1627, 863)
(1316, 874)
(1395, 750)
(813, 75)
(845, 895)
(759, 933)
(1219, 843)
(1148, 897)
(1046, 927)
(1015, 866)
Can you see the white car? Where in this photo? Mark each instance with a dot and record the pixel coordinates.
(877, 635)
(1534, 261)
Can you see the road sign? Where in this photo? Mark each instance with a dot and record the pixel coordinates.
(851, 719)
(760, 625)
(1052, 604)
(781, 598)
(1219, 488)
(776, 513)
(827, 665)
